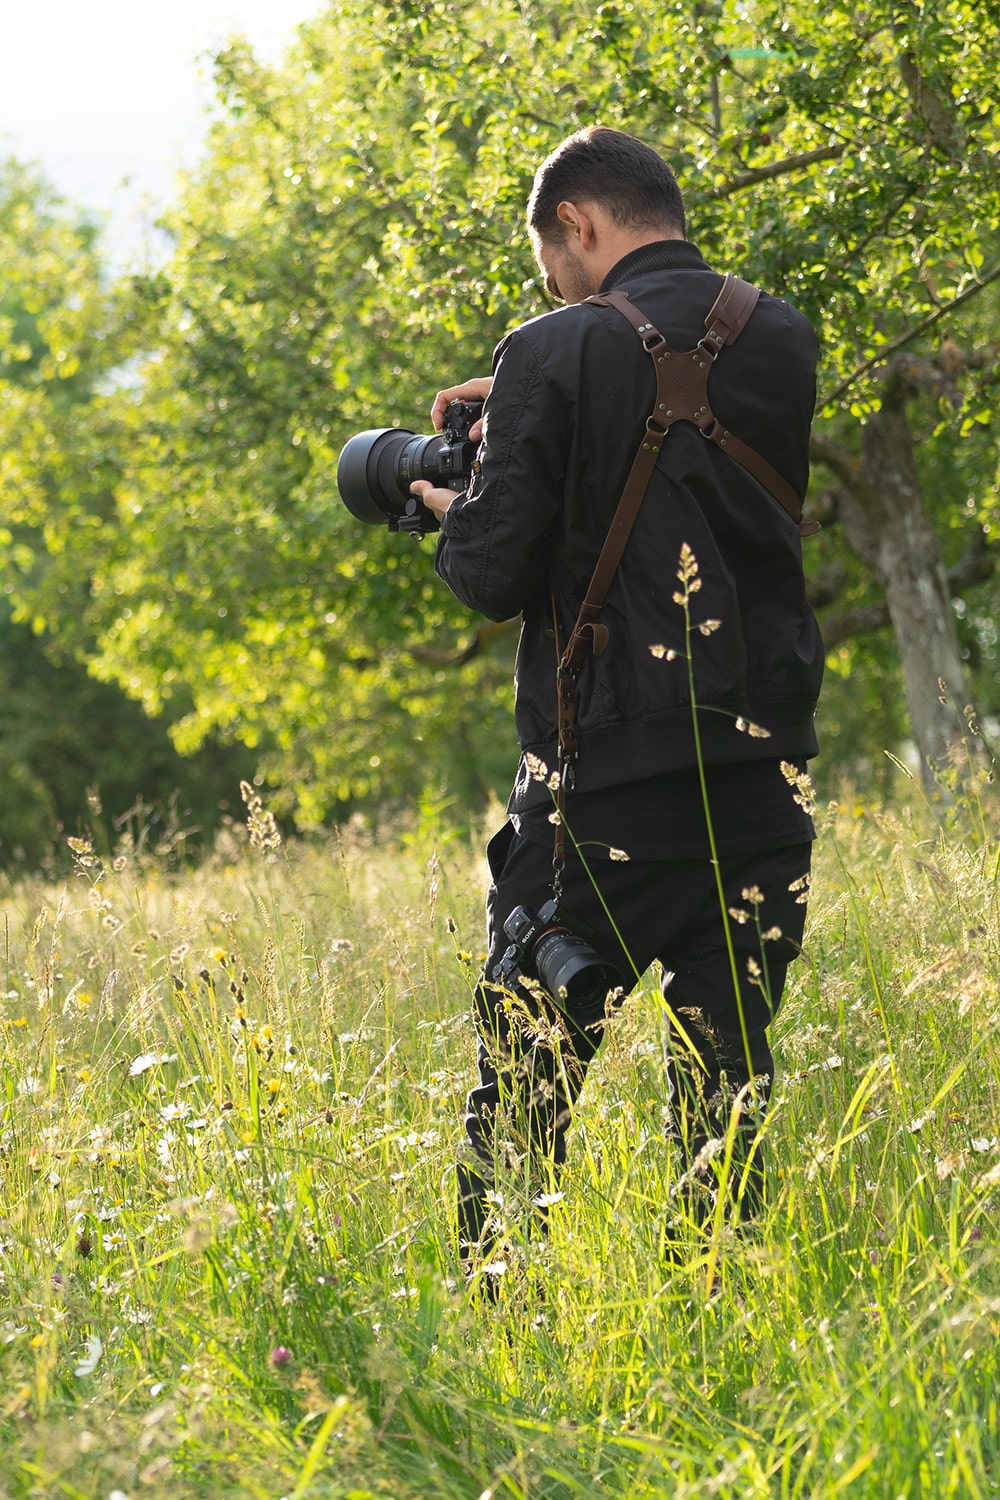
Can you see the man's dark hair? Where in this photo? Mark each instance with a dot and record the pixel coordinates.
(597, 165)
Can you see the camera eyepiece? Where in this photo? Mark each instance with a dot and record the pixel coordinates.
(377, 467)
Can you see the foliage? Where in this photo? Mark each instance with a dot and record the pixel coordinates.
(354, 239)
(231, 1103)
(63, 335)
(77, 752)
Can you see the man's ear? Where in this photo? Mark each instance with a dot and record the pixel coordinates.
(578, 221)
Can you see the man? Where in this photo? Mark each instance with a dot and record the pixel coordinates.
(711, 577)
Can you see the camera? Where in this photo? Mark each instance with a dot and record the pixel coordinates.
(565, 965)
(376, 468)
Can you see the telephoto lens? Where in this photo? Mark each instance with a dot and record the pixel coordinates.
(375, 471)
(377, 467)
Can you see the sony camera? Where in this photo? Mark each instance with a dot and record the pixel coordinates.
(376, 468)
(565, 965)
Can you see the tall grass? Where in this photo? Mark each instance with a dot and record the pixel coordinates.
(231, 1103)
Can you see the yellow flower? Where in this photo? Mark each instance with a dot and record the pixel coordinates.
(83, 999)
(273, 1085)
(21, 1021)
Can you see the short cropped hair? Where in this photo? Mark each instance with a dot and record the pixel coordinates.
(597, 165)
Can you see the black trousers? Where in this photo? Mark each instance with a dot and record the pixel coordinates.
(533, 1054)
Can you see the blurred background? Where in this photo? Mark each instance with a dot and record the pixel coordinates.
(231, 236)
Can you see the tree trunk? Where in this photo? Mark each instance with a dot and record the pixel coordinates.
(886, 524)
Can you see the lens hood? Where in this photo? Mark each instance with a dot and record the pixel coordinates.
(366, 474)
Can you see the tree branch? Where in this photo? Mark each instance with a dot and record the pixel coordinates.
(944, 129)
(908, 337)
(839, 460)
(845, 624)
(910, 373)
(978, 564)
(433, 656)
(775, 169)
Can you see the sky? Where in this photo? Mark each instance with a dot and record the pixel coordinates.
(109, 96)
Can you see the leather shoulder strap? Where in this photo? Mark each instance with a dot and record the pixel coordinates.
(730, 312)
(682, 382)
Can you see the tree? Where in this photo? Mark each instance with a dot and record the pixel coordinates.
(354, 238)
(67, 742)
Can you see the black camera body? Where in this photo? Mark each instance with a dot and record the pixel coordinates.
(566, 966)
(376, 468)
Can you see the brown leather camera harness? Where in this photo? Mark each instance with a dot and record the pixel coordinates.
(681, 396)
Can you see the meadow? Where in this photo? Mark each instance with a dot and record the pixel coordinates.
(231, 1101)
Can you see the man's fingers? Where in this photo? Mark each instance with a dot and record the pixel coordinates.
(436, 500)
(476, 389)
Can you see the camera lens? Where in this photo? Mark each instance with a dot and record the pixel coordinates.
(565, 963)
(377, 467)
(375, 470)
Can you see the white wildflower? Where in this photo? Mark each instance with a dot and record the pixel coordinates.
(147, 1060)
(91, 1358)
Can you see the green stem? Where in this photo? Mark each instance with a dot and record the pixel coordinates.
(713, 848)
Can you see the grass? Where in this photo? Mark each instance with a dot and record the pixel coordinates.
(231, 1100)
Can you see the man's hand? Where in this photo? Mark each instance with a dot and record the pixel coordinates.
(436, 501)
(476, 389)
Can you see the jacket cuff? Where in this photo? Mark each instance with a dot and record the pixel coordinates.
(455, 522)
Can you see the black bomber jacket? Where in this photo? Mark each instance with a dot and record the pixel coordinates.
(571, 393)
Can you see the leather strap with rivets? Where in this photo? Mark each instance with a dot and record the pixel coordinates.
(682, 383)
(681, 396)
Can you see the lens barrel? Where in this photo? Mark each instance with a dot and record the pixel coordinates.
(376, 468)
(565, 963)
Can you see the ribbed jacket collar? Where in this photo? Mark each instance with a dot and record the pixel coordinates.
(661, 255)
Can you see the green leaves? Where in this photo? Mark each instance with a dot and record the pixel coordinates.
(352, 241)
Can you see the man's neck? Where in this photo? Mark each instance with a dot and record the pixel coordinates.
(656, 255)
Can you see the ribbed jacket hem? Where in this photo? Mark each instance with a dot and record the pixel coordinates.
(621, 753)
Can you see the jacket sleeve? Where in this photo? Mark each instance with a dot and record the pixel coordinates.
(493, 551)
